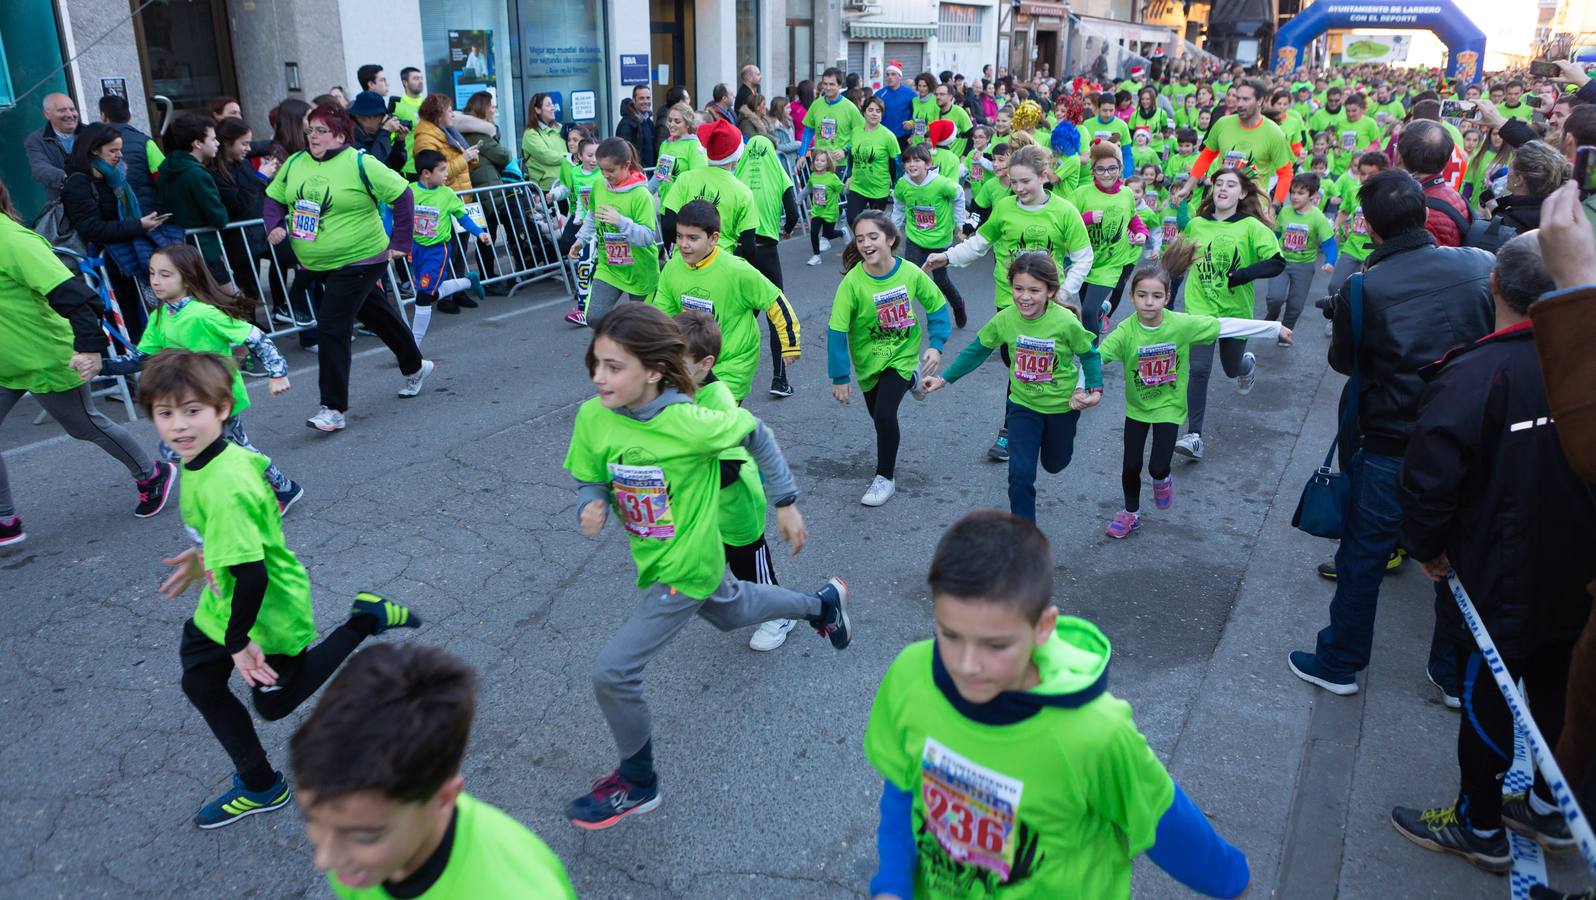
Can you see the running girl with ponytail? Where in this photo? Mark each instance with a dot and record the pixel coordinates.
(875, 330)
(643, 447)
(1236, 245)
(1154, 346)
(623, 220)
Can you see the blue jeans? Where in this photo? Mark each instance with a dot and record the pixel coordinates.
(1367, 540)
(1033, 435)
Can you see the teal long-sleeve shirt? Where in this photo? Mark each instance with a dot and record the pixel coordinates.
(939, 325)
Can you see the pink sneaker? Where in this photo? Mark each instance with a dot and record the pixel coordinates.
(1124, 523)
(576, 317)
(1164, 492)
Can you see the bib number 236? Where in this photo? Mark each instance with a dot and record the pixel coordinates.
(969, 808)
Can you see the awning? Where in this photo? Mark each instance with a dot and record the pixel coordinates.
(1115, 31)
(891, 31)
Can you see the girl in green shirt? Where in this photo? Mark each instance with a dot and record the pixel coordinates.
(875, 162)
(1117, 234)
(825, 205)
(645, 450)
(624, 224)
(680, 153)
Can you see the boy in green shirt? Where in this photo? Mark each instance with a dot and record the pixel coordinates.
(1352, 232)
(385, 807)
(438, 207)
(254, 610)
(929, 207)
(1304, 231)
(1008, 769)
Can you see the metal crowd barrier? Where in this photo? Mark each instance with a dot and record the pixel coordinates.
(92, 269)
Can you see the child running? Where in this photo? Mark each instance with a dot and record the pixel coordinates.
(1304, 231)
(1008, 768)
(196, 314)
(742, 496)
(874, 328)
(378, 768)
(578, 175)
(1236, 245)
(254, 611)
(825, 205)
(681, 152)
(1044, 404)
(644, 446)
(1154, 346)
(438, 207)
(929, 207)
(702, 276)
(1117, 234)
(1031, 219)
(622, 217)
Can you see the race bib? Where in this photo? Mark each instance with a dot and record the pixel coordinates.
(426, 221)
(977, 172)
(1171, 228)
(828, 129)
(919, 127)
(473, 211)
(1033, 358)
(1156, 364)
(1360, 225)
(307, 220)
(698, 303)
(643, 502)
(1349, 141)
(925, 218)
(584, 194)
(1295, 237)
(1235, 159)
(818, 193)
(666, 167)
(617, 251)
(970, 809)
(892, 309)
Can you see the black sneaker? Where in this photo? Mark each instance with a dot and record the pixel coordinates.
(253, 367)
(465, 300)
(389, 615)
(833, 619)
(999, 451)
(447, 306)
(612, 799)
(11, 532)
(154, 491)
(1550, 831)
(780, 387)
(1542, 892)
(1440, 830)
(285, 499)
(961, 318)
(1328, 569)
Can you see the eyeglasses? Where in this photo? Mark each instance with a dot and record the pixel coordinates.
(318, 129)
(1106, 170)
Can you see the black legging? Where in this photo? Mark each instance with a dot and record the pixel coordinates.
(816, 226)
(207, 666)
(882, 403)
(858, 203)
(355, 292)
(767, 260)
(1164, 434)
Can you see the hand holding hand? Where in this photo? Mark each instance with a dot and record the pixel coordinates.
(930, 384)
(251, 663)
(1083, 399)
(593, 516)
(934, 262)
(930, 361)
(278, 385)
(790, 525)
(87, 365)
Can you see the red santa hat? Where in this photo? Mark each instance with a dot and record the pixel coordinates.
(723, 143)
(1137, 71)
(895, 66)
(940, 132)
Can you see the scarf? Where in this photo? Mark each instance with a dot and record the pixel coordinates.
(127, 205)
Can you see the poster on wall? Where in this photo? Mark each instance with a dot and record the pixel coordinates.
(471, 63)
(1358, 49)
(113, 87)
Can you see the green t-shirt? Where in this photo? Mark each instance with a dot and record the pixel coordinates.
(1302, 233)
(200, 327)
(1521, 112)
(1068, 175)
(990, 191)
(825, 196)
(760, 168)
(1155, 361)
(730, 197)
(664, 478)
(1329, 189)
(873, 153)
(579, 184)
(1263, 147)
(1386, 113)
(1142, 156)
(961, 125)
(742, 503)
(734, 292)
(1042, 351)
(35, 342)
(1221, 248)
(1353, 138)
(1011, 230)
(1107, 218)
(927, 210)
(922, 111)
(834, 123)
(1179, 164)
(332, 218)
(1325, 120)
(1295, 129)
(1055, 805)
(974, 171)
(879, 318)
(629, 267)
(678, 157)
(1354, 239)
(946, 162)
(1155, 125)
(435, 212)
(232, 513)
(492, 855)
(1114, 131)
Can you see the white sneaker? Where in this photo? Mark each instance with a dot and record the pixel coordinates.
(1329, 329)
(1190, 446)
(824, 245)
(772, 634)
(327, 420)
(413, 381)
(1247, 379)
(881, 490)
(915, 390)
(813, 260)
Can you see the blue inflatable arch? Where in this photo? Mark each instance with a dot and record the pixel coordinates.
(1465, 42)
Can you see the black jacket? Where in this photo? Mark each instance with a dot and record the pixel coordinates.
(1419, 301)
(90, 206)
(1485, 480)
(242, 192)
(643, 135)
(1520, 211)
(136, 158)
(381, 146)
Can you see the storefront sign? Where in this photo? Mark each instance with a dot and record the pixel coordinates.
(471, 63)
(584, 106)
(634, 68)
(556, 61)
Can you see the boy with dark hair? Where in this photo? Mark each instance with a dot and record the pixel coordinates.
(1304, 231)
(186, 190)
(378, 766)
(438, 207)
(1005, 758)
(254, 611)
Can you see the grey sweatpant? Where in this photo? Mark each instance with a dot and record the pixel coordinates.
(662, 612)
(1345, 266)
(1288, 292)
(601, 298)
(75, 412)
(233, 433)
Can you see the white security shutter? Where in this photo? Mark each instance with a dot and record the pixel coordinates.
(911, 55)
(856, 58)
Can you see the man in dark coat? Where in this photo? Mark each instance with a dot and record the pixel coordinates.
(637, 125)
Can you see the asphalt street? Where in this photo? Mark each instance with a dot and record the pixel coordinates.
(456, 504)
